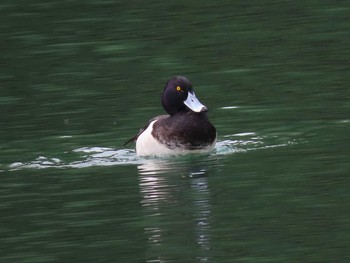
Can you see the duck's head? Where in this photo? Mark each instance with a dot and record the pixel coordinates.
(178, 95)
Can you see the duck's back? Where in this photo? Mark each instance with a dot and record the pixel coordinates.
(185, 131)
(178, 134)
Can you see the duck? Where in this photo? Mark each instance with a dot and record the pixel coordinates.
(185, 129)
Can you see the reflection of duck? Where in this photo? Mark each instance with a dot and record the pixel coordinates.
(164, 190)
(155, 166)
(186, 129)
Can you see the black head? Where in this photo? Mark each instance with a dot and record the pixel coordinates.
(178, 95)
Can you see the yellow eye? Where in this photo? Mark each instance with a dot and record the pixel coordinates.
(178, 88)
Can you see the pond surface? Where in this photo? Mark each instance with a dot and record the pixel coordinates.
(79, 78)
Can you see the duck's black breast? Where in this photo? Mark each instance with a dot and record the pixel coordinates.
(185, 130)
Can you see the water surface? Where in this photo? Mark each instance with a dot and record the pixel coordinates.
(79, 78)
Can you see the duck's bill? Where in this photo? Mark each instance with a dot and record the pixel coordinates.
(193, 103)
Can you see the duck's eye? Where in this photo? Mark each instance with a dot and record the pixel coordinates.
(178, 88)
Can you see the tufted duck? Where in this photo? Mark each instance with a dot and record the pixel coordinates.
(185, 130)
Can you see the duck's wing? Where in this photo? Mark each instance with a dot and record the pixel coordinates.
(133, 139)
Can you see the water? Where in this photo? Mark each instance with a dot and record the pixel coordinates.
(79, 78)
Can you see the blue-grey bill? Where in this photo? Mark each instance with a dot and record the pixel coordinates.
(193, 103)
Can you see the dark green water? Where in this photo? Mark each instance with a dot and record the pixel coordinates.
(78, 78)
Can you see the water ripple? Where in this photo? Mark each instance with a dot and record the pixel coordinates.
(104, 156)
(92, 156)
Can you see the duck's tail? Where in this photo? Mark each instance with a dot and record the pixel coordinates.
(131, 140)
